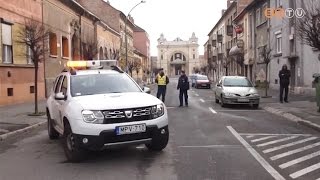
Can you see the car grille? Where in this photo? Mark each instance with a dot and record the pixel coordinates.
(127, 115)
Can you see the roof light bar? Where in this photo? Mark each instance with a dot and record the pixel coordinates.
(94, 64)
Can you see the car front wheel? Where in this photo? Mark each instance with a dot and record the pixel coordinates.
(255, 106)
(160, 141)
(72, 151)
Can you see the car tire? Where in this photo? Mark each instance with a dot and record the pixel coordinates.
(52, 133)
(217, 100)
(209, 87)
(72, 151)
(255, 106)
(222, 104)
(159, 142)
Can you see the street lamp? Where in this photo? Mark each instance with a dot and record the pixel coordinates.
(125, 33)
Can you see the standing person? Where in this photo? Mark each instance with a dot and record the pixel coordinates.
(162, 80)
(183, 86)
(284, 75)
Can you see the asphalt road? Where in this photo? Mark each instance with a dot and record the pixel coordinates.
(206, 142)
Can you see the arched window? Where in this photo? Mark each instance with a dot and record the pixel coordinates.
(178, 56)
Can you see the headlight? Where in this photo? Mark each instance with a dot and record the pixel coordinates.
(229, 94)
(95, 117)
(157, 111)
(254, 94)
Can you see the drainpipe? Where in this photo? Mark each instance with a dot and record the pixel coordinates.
(44, 57)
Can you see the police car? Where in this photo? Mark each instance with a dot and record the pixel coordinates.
(95, 105)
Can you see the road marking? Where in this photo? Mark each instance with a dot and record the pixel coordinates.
(275, 174)
(261, 139)
(305, 171)
(277, 141)
(289, 145)
(197, 94)
(213, 111)
(301, 159)
(211, 146)
(244, 110)
(265, 134)
(202, 100)
(294, 151)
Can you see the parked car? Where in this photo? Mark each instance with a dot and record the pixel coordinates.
(236, 90)
(202, 81)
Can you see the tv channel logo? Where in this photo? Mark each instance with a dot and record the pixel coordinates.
(282, 13)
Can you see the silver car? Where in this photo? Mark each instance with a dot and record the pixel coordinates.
(236, 90)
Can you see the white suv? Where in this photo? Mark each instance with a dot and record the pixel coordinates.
(97, 108)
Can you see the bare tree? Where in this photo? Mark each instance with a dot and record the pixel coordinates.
(137, 66)
(266, 55)
(34, 35)
(91, 49)
(130, 66)
(308, 27)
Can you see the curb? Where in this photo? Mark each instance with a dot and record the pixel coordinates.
(10, 134)
(292, 118)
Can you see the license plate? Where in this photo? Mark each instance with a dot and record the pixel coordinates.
(243, 100)
(203, 85)
(132, 129)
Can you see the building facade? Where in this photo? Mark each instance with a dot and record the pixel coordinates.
(301, 59)
(14, 61)
(177, 55)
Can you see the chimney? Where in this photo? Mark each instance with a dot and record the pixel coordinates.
(223, 11)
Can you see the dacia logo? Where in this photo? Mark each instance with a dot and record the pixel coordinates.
(128, 114)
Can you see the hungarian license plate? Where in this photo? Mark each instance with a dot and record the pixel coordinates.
(131, 129)
(243, 100)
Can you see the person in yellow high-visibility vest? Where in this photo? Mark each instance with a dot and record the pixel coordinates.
(162, 80)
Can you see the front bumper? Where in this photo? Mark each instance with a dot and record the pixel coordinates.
(235, 100)
(108, 138)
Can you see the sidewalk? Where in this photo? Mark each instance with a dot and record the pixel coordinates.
(301, 108)
(14, 117)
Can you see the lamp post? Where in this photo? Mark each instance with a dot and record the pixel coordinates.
(125, 33)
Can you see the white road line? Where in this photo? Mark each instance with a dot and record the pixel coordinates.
(305, 171)
(213, 111)
(202, 100)
(261, 139)
(294, 151)
(301, 159)
(212, 146)
(197, 94)
(265, 134)
(289, 145)
(275, 174)
(244, 110)
(277, 141)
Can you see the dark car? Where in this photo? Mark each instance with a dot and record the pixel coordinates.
(202, 81)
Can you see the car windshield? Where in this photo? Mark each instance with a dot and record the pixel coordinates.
(202, 78)
(237, 82)
(82, 85)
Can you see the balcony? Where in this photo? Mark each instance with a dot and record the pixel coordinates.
(177, 61)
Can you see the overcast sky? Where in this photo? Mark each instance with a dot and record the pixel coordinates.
(174, 18)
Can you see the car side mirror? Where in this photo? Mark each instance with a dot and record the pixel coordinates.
(60, 96)
(146, 90)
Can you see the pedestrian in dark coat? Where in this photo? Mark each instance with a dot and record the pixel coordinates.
(183, 86)
(284, 75)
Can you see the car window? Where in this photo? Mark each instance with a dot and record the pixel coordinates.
(64, 86)
(82, 85)
(202, 78)
(58, 84)
(237, 82)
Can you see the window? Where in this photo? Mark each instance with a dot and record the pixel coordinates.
(10, 91)
(258, 17)
(279, 43)
(29, 56)
(58, 84)
(6, 43)
(65, 47)
(64, 86)
(194, 56)
(31, 89)
(264, 18)
(279, 3)
(53, 44)
(161, 57)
